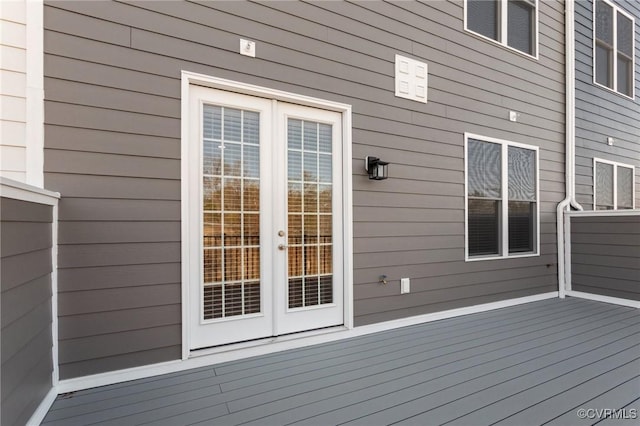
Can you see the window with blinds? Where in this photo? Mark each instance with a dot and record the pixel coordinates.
(502, 188)
(512, 23)
(613, 48)
(613, 185)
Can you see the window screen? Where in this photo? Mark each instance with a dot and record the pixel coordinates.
(522, 199)
(625, 187)
(604, 22)
(520, 25)
(482, 17)
(624, 54)
(604, 186)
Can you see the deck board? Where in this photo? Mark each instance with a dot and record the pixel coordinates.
(539, 361)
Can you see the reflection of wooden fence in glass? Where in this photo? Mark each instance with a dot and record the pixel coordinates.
(243, 263)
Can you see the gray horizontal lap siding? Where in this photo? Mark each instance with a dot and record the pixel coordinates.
(112, 82)
(605, 256)
(25, 275)
(601, 113)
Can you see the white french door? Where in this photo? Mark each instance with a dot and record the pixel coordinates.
(265, 202)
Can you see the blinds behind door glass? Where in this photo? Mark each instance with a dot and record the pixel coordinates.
(625, 187)
(310, 213)
(482, 17)
(604, 186)
(231, 212)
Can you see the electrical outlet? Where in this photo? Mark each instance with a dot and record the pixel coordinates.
(248, 48)
(405, 285)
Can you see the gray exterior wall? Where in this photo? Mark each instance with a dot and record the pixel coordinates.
(605, 256)
(112, 84)
(602, 113)
(25, 276)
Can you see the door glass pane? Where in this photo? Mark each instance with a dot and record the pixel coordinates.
(310, 217)
(231, 212)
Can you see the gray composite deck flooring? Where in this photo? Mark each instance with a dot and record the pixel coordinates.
(531, 364)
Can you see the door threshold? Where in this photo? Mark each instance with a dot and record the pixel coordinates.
(231, 347)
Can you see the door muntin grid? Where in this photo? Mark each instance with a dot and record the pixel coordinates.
(230, 213)
(309, 213)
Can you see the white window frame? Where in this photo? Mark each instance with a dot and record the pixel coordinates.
(503, 32)
(614, 71)
(504, 205)
(615, 165)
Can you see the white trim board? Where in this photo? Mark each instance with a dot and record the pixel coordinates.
(43, 408)
(605, 299)
(10, 188)
(603, 213)
(281, 344)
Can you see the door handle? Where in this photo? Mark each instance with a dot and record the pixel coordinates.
(282, 246)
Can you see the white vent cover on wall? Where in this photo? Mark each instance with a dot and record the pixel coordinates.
(411, 79)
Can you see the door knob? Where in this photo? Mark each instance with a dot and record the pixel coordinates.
(282, 247)
(280, 233)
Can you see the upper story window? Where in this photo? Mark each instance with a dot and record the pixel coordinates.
(502, 198)
(613, 47)
(512, 23)
(613, 185)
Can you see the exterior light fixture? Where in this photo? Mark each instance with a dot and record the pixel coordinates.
(376, 168)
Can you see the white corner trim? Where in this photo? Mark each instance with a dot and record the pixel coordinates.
(605, 299)
(35, 93)
(604, 213)
(10, 188)
(184, 210)
(277, 345)
(55, 374)
(43, 408)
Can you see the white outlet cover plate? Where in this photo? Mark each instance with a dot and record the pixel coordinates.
(405, 285)
(248, 48)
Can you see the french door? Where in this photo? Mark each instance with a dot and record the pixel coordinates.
(265, 182)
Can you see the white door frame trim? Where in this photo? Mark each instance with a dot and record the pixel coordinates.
(190, 78)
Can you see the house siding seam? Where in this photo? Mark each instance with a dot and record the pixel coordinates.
(602, 113)
(605, 256)
(25, 278)
(112, 109)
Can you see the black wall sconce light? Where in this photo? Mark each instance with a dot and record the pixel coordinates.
(376, 168)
